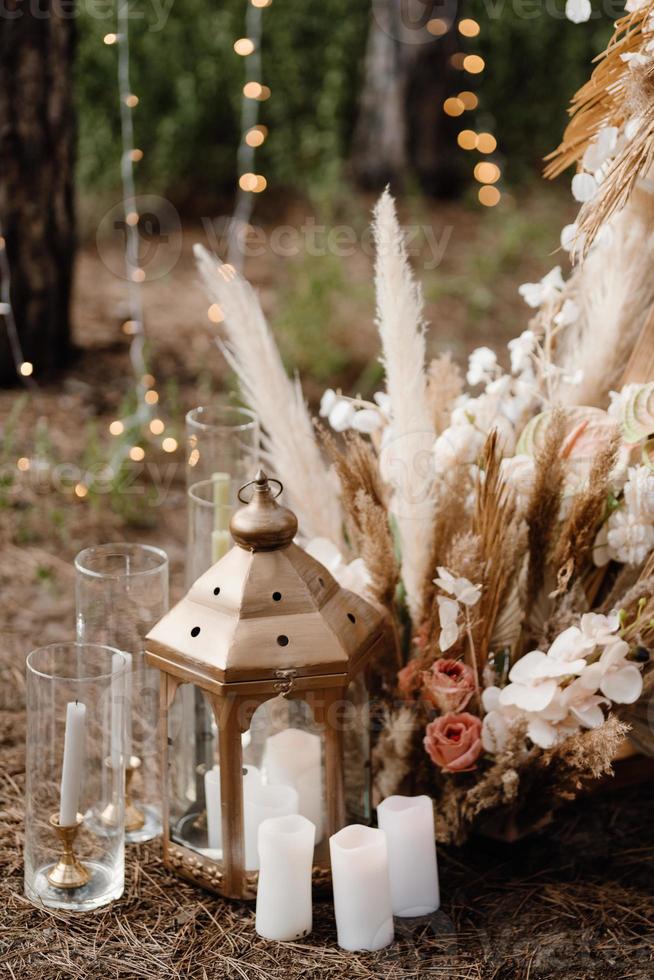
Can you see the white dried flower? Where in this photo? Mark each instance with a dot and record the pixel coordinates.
(367, 420)
(578, 11)
(482, 365)
(522, 349)
(537, 293)
(519, 473)
(568, 314)
(584, 187)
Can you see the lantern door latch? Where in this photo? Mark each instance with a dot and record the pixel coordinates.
(285, 680)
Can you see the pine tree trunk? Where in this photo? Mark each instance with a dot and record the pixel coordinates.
(401, 127)
(37, 151)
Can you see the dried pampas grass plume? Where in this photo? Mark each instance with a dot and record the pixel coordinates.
(407, 455)
(614, 291)
(289, 445)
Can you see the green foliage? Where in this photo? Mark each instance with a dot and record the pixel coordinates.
(189, 83)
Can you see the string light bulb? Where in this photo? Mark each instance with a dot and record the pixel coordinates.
(473, 64)
(110, 38)
(136, 155)
(261, 3)
(489, 196)
(437, 26)
(157, 426)
(169, 445)
(26, 369)
(467, 139)
(265, 94)
(116, 428)
(131, 101)
(138, 275)
(486, 143)
(244, 46)
(252, 90)
(487, 173)
(151, 397)
(255, 136)
(215, 313)
(132, 218)
(468, 27)
(469, 99)
(453, 107)
(137, 453)
(23, 464)
(81, 490)
(247, 182)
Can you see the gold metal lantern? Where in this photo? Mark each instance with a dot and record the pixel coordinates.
(263, 700)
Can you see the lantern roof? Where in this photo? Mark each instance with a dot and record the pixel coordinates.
(265, 608)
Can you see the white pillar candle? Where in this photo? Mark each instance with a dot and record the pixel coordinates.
(408, 822)
(293, 758)
(260, 803)
(284, 910)
(73, 763)
(251, 775)
(362, 893)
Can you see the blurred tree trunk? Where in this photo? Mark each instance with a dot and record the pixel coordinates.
(401, 126)
(37, 152)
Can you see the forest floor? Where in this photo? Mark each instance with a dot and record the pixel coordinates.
(572, 904)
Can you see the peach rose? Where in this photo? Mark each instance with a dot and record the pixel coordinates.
(409, 680)
(449, 684)
(453, 742)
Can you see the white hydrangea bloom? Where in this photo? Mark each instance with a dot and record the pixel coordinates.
(629, 540)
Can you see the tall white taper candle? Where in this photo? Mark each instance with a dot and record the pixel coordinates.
(73, 763)
(121, 703)
(284, 909)
(408, 822)
(362, 893)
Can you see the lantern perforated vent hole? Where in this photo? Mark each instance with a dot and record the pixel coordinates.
(352, 617)
(321, 582)
(277, 596)
(216, 591)
(282, 640)
(195, 631)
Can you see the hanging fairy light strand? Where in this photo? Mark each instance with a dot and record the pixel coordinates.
(24, 369)
(486, 173)
(253, 135)
(144, 418)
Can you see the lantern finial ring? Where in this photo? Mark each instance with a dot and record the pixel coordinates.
(261, 481)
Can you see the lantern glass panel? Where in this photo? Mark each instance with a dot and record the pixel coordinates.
(356, 752)
(284, 756)
(193, 761)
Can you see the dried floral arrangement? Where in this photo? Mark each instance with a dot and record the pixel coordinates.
(507, 528)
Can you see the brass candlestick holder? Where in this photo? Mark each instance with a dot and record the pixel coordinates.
(134, 818)
(68, 872)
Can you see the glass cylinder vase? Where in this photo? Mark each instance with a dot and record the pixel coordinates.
(221, 439)
(75, 776)
(121, 592)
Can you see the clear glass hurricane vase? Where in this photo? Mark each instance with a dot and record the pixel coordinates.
(121, 592)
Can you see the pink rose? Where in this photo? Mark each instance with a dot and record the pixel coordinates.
(449, 684)
(409, 680)
(453, 742)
